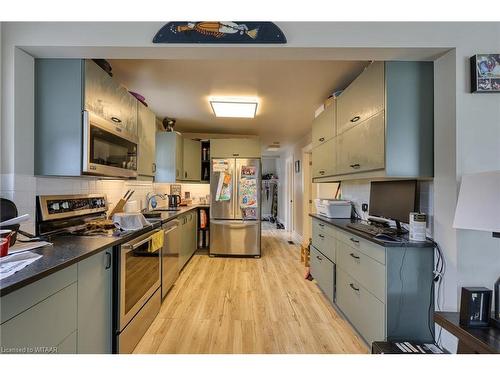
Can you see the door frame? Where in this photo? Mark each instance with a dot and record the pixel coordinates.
(309, 193)
(289, 194)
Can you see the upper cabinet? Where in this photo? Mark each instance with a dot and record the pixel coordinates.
(384, 126)
(324, 126)
(177, 158)
(146, 123)
(64, 89)
(191, 155)
(235, 148)
(362, 99)
(106, 98)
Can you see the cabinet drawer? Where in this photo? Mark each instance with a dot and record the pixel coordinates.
(362, 99)
(323, 270)
(324, 227)
(369, 272)
(324, 159)
(323, 127)
(324, 242)
(363, 310)
(374, 251)
(46, 324)
(362, 148)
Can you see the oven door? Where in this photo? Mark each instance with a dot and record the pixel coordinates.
(108, 149)
(139, 275)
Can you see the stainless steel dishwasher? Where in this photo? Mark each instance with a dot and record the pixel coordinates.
(170, 255)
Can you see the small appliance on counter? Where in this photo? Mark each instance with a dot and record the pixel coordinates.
(333, 208)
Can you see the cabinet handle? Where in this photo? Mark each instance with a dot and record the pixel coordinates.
(355, 166)
(319, 258)
(353, 287)
(153, 167)
(108, 261)
(321, 139)
(116, 119)
(354, 256)
(322, 172)
(320, 235)
(185, 174)
(236, 154)
(354, 240)
(355, 118)
(321, 225)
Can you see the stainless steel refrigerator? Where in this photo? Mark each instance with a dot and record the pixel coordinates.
(235, 206)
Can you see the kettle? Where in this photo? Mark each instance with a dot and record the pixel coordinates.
(174, 200)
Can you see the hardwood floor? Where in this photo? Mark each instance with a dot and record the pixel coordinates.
(247, 305)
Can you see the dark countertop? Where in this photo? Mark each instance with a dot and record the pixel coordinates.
(342, 224)
(68, 250)
(471, 339)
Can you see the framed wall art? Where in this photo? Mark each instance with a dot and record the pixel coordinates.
(485, 73)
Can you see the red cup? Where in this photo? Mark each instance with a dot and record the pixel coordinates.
(4, 246)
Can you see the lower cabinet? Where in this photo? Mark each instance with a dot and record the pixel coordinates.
(95, 288)
(188, 237)
(383, 291)
(69, 311)
(323, 271)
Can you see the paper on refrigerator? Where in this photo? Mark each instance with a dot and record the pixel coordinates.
(224, 190)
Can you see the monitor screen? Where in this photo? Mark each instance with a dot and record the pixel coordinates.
(393, 199)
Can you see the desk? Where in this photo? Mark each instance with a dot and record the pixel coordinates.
(484, 340)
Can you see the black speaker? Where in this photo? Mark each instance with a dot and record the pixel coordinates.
(475, 307)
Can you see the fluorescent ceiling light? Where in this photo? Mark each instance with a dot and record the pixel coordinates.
(234, 107)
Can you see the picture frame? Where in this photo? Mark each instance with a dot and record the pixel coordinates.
(297, 166)
(485, 73)
(475, 307)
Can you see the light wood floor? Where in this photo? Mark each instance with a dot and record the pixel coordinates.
(247, 305)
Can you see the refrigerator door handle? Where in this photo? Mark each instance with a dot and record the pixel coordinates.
(235, 224)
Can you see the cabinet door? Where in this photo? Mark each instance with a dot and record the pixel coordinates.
(362, 99)
(168, 157)
(95, 285)
(147, 147)
(108, 99)
(324, 159)
(323, 127)
(235, 147)
(191, 156)
(362, 148)
(185, 243)
(323, 270)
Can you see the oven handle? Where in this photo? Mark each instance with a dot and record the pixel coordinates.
(132, 246)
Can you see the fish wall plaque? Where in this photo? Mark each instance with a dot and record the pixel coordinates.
(220, 32)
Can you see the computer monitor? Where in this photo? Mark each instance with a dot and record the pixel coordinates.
(393, 200)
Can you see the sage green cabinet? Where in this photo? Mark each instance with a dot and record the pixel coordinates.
(362, 99)
(41, 317)
(324, 126)
(361, 149)
(235, 147)
(95, 289)
(324, 159)
(69, 311)
(146, 153)
(188, 237)
(169, 156)
(384, 125)
(371, 281)
(105, 97)
(191, 160)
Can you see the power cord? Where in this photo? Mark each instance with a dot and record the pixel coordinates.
(438, 274)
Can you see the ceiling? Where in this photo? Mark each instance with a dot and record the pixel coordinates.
(289, 92)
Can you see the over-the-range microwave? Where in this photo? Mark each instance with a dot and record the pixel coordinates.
(109, 150)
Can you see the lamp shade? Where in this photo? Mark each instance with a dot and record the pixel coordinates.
(478, 205)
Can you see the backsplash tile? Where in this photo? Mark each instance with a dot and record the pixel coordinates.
(23, 189)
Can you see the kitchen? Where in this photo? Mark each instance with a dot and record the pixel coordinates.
(226, 294)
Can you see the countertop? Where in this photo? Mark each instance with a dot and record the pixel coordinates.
(342, 224)
(68, 250)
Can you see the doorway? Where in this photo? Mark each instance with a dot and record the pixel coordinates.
(289, 196)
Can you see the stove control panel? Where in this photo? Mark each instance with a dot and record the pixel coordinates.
(53, 207)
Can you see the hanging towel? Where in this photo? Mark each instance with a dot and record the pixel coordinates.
(157, 241)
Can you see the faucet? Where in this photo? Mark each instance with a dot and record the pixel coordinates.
(150, 199)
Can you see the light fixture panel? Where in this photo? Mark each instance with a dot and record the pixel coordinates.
(238, 108)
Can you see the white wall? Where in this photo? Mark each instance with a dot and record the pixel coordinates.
(468, 124)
